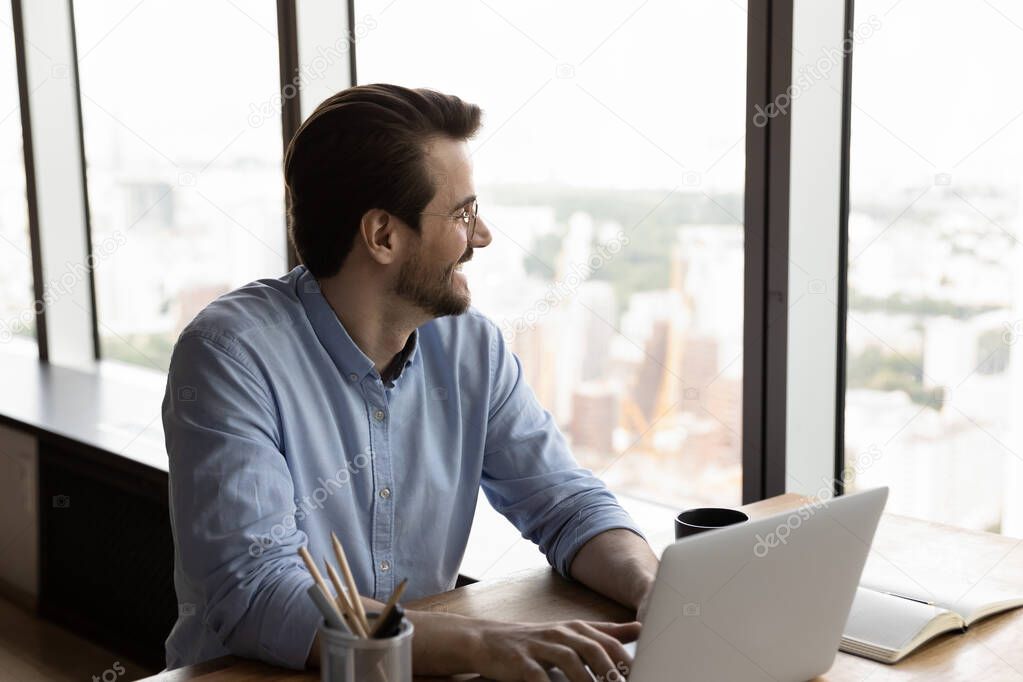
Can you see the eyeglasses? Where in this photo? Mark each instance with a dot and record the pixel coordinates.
(468, 217)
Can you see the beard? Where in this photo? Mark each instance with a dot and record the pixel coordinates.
(432, 287)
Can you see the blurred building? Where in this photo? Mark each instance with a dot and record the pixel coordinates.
(595, 415)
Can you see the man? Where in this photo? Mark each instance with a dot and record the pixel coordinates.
(360, 394)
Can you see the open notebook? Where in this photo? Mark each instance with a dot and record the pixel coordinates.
(886, 627)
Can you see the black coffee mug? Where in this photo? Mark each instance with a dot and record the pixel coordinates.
(693, 521)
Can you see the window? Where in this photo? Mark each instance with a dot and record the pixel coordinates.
(182, 133)
(17, 309)
(935, 315)
(615, 195)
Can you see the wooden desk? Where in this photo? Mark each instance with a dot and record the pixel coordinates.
(929, 553)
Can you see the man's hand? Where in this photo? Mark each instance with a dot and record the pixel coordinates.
(449, 644)
(644, 603)
(519, 651)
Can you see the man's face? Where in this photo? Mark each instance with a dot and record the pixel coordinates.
(431, 278)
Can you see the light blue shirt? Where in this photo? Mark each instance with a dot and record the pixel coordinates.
(279, 430)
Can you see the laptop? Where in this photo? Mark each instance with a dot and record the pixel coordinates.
(761, 601)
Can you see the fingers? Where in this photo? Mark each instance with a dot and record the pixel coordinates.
(589, 650)
(534, 672)
(615, 649)
(623, 632)
(583, 650)
(563, 657)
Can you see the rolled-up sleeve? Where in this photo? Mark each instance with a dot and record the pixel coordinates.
(531, 477)
(232, 504)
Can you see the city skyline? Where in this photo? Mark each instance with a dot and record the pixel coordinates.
(935, 308)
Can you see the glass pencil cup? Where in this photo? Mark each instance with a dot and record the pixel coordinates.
(346, 658)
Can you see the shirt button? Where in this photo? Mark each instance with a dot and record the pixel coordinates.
(353, 377)
(378, 415)
(385, 565)
(385, 493)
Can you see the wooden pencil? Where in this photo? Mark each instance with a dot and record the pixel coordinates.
(391, 601)
(346, 607)
(342, 561)
(311, 565)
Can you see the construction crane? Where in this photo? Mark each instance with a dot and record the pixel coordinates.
(666, 359)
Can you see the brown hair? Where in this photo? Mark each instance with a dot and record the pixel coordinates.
(361, 149)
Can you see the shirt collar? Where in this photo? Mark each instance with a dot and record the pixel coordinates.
(407, 354)
(347, 356)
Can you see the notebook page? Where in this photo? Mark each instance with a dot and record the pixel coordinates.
(887, 621)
